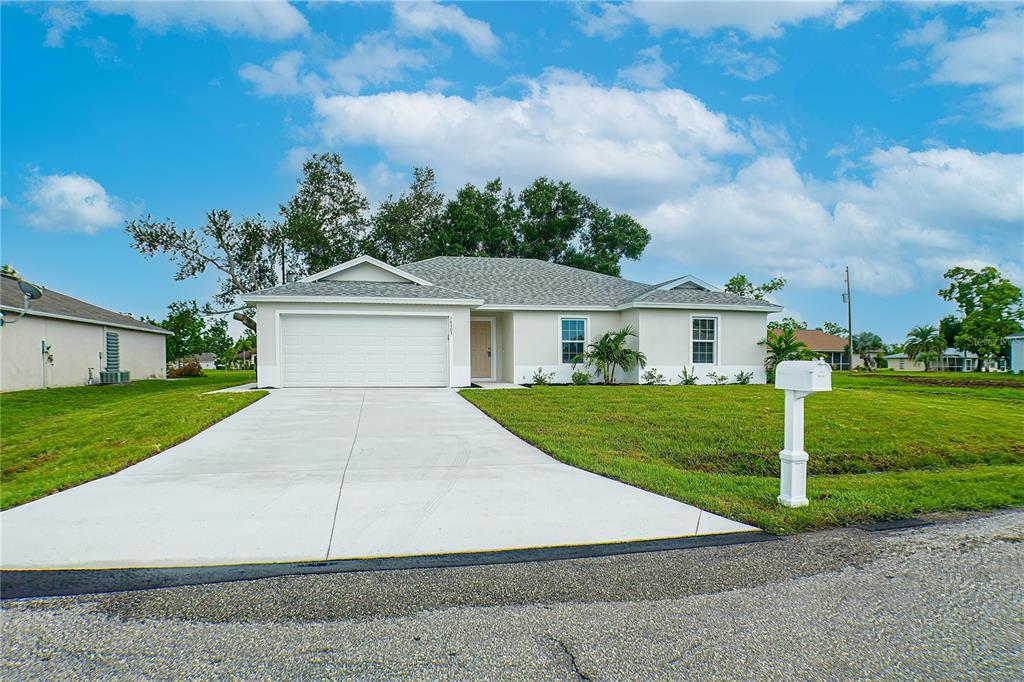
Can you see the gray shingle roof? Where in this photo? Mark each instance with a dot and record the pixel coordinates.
(515, 282)
(363, 290)
(526, 281)
(56, 303)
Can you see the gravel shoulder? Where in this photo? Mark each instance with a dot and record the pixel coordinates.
(938, 601)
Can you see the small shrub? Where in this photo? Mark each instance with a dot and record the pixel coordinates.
(580, 378)
(687, 377)
(187, 368)
(542, 378)
(744, 377)
(718, 379)
(652, 377)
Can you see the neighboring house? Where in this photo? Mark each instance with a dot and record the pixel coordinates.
(1016, 351)
(450, 321)
(953, 360)
(207, 360)
(831, 347)
(63, 341)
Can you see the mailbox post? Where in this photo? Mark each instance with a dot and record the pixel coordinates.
(799, 379)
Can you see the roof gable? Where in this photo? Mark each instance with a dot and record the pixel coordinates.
(365, 269)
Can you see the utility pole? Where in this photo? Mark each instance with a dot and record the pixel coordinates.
(849, 317)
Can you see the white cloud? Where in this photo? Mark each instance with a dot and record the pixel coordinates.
(745, 65)
(70, 203)
(918, 210)
(374, 60)
(425, 18)
(989, 57)
(755, 18)
(281, 76)
(648, 71)
(61, 19)
(266, 19)
(563, 126)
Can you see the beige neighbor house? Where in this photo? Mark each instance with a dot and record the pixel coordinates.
(63, 341)
(953, 360)
(453, 321)
(831, 347)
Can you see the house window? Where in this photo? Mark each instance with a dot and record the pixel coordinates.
(574, 335)
(903, 363)
(705, 339)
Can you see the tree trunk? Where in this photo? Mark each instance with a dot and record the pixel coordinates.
(245, 320)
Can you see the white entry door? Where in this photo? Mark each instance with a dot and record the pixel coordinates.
(364, 350)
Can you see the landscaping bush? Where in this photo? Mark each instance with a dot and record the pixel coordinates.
(541, 378)
(652, 377)
(744, 377)
(187, 368)
(718, 379)
(687, 377)
(580, 378)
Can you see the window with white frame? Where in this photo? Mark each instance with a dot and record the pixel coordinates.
(574, 335)
(705, 340)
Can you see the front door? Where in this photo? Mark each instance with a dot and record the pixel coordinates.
(480, 349)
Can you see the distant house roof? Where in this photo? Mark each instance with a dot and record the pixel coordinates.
(820, 341)
(61, 306)
(948, 353)
(521, 282)
(207, 357)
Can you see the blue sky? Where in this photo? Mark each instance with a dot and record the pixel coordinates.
(766, 138)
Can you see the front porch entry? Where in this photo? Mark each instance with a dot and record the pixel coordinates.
(482, 349)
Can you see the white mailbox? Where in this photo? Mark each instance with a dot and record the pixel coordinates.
(799, 378)
(804, 375)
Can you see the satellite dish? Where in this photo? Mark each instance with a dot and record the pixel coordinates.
(31, 291)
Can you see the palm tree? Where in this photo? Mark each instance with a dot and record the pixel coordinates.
(924, 344)
(610, 351)
(868, 345)
(783, 345)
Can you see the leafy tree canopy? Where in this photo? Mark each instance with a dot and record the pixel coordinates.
(192, 333)
(833, 328)
(992, 307)
(739, 284)
(787, 323)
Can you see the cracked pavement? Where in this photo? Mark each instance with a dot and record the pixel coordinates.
(942, 601)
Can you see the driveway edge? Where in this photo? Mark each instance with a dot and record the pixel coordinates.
(20, 584)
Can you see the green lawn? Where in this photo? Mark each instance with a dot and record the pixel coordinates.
(881, 446)
(57, 438)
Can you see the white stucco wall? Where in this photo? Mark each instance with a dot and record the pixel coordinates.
(76, 347)
(365, 272)
(663, 336)
(268, 370)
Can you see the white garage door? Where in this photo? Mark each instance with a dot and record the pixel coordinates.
(364, 350)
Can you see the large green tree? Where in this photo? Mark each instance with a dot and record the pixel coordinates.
(325, 222)
(739, 284)
(925, 344)
(242, 252)
(406, 229)
(992, 307)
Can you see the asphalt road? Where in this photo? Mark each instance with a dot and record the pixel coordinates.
(944, 601)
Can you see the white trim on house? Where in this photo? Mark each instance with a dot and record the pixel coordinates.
(558, 334)
(632, 304)
(101, 323)
(361, 299)
(717, 340)
(279, 328)
(372, 261)
(687, 279)
(494, 348)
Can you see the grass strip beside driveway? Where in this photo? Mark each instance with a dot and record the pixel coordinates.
(54, 439)
(876, 451)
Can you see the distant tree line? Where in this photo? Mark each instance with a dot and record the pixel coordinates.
(329, 221)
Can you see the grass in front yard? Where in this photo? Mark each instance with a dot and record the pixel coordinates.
(880, 447)
(56, 438)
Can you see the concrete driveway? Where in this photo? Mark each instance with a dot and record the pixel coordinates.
(314, 474)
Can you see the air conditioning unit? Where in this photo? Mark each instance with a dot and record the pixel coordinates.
(116, 377)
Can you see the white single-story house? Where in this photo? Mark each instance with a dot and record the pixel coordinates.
(207, 360)
(63, 341)
(953, 360)
(453, 321)
(1016, 352)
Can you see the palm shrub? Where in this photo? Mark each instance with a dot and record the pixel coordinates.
(542, 378)
(687, 377)
(744, 377)
(924, 344)
(783, 345)
(610, 352)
